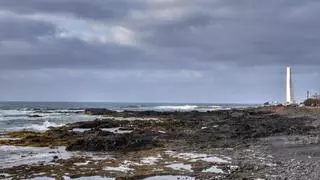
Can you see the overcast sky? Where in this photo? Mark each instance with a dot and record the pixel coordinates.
(215, 51)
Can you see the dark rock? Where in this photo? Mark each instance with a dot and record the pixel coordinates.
(99, 124)
(111, 142)
(34, 116)
(99, 111)
(126, 129)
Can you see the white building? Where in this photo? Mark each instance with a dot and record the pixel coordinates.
(289, 88)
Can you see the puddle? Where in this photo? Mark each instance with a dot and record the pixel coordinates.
(113, 130)
(194, 157)
(80, 178)
(89, 178)
(150, 160)
(130, 118)
(215, 160)
(5, 175)
(15, 156)
(121, 168)
(213, 169)
(116, 130)
(81, 129)
(181, 167)
(170, 178)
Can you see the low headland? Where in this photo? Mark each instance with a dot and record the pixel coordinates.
(274, 142)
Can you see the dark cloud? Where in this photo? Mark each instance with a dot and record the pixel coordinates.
(72, 54)
(18, 29)
(96, 9)
(190, 48)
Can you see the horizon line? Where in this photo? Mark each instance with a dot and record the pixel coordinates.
(130, 102)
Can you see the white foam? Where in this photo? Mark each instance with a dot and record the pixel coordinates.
(59, 111)
(194, 157)
(82, 164)
(130, 118)
(213, 169)
(186, 155)
(121, 168)
(36, 127)
(130, 163)
(178, 107)
(116, 130)
(214, 160)
(39, 116)
(151, 160)
(113, 130)
(31, 120)
(80, 129)
(14, 112)
(180, 167)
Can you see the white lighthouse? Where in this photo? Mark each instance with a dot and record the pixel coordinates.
(290, 95)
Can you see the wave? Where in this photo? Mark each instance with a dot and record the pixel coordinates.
(177, 107)
(59, 111)
(191, 108)
(14, 113)
(36, 127)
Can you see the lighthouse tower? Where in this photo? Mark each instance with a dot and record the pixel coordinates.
(290, 99)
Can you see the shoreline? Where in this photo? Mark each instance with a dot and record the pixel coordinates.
(222, 144)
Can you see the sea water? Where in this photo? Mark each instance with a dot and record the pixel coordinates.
(38, 116)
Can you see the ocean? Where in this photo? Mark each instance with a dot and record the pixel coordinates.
(38, 116)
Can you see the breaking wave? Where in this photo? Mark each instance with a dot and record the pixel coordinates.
(36, 127)
(190, 108)
(14, 113)
(177, 107)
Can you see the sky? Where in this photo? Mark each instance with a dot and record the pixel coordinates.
(205, 51)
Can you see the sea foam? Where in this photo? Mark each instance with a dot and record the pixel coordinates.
(36, 127)
(178, 107)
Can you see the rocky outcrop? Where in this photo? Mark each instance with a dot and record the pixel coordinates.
(34, 116)
(99, 124)
(99, 111)
(259, 143)
(106, 141)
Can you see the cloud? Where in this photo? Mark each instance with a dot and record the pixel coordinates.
(146, 41)
(209, 31)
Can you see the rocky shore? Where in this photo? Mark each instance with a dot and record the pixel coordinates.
(257, 143)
